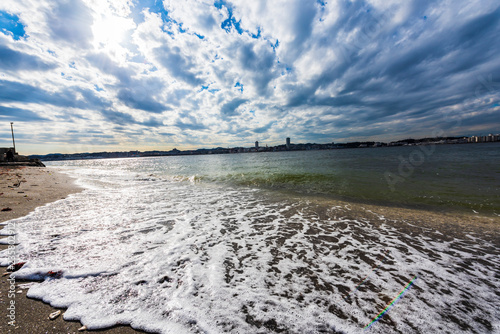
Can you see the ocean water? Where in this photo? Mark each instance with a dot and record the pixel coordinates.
(241, 243)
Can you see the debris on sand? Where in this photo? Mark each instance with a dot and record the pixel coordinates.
(15, 266)
(54, 315)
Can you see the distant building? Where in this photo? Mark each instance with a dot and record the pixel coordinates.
(288, 143)
(256, 144)
(484, 139)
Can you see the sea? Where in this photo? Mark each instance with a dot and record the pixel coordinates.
(274, 242)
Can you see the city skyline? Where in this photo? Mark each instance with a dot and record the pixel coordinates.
(93, 76)
(287, 146)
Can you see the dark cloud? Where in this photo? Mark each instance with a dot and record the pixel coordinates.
(18, 92)
(478, 27)
(117, 117)
(19, 115)
(125, 120)
(108, 66)
(229, 109)
(90, 99)
(167, 134)
(189, 123)
(304, 16)
(136, 100)
(11, 61)
(71, 21)
(152, 122)
(178, 64)
(134, 93)
(260, 63)
(383, 81)
(264, 128)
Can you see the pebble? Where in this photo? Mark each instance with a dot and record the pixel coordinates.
(54, 315)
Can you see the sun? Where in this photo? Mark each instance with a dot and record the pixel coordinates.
(110, 31)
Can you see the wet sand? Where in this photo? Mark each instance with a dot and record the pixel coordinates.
(22, 190)
(452, 223)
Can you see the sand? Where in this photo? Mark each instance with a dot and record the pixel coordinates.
(22, 190)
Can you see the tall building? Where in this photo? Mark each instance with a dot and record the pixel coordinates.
(256, 144)
(288, 143)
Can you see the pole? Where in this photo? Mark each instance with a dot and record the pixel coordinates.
(12, 130)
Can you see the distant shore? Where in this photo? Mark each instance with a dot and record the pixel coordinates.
(22, 190)
(261, 149)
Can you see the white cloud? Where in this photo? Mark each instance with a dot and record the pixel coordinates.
(196, 16)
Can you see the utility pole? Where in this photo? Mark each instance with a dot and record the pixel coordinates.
(12, 130)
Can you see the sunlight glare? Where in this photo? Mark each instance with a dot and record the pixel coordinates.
(110, 30)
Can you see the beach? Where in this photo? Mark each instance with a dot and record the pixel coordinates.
(170, 245)
(23, 189)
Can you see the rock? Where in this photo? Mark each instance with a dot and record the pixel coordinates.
(37, 162)
(55, 274)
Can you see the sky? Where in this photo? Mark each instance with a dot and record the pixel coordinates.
(118, 75)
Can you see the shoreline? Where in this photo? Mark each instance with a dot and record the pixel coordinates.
(22, 190)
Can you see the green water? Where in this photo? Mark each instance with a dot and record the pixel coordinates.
(459, 177)
(443, 177)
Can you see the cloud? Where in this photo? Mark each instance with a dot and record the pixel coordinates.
(12, 61)
(259, 61)
(229, 108)
(191, 124)
(228, 72)
(177, 64)
(105, 64)
(200, 17)
(70, 22)
(265, 128)
(124, 119)
(19, 115)
(138, 100)
(11, 91)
